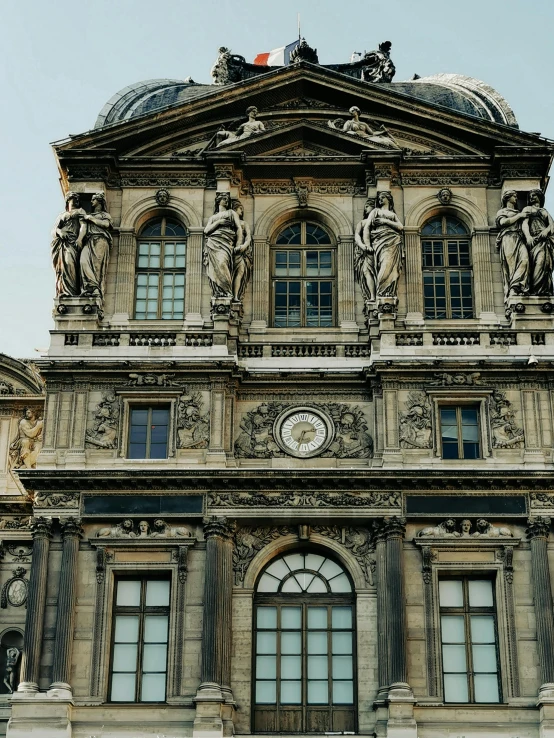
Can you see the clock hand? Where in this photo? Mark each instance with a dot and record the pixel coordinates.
(302, 436)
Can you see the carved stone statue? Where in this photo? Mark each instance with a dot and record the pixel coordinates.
(227, 67)
(193, 428)
(121, 530)
(442, 530)
(223, 232)
(249, 128)
(447, 529)
(484, 528)
(378, 66)
(65, 249)
(383, 231)
(510, 242)
(505, 431)
(12, 657)
(28, 444)
(364, 257)
(538, 229)
(242, 255)
(357, 127)
(104, 431)
(96, 240)
(303, 52)
(415, 423)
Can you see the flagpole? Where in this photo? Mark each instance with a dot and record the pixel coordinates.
(299, 26)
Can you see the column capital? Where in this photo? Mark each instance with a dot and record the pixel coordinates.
(71, 528)
(392, 527)
(196, 230)
(538, 527)
(41, 527)
(215, 527)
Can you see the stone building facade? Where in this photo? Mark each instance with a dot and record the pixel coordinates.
(295, 474)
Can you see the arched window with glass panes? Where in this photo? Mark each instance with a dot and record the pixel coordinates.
(303, 277)
(447, 269)
(160, 270)
(304, 646)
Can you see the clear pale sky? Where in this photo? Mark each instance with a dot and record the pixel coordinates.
(61, 61)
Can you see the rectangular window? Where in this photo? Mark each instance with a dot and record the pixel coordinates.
(306, 299)
(148, 432)
(469, 641)
(460, 432)
(140, 633)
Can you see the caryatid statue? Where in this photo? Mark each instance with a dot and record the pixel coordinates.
(223, 232)
(364, 257)
(383, 232)
(242, 255)
(65, 247)
(512, 247)
(96, 240)
(538, 230)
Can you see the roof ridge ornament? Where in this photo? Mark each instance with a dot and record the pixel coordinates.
(377, 66)
(303, 52)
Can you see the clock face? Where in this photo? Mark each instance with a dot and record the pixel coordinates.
(303, 432)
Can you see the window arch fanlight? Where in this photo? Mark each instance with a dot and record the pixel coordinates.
(160, 270)
(447, 268)
(303, 277)
(304, 646)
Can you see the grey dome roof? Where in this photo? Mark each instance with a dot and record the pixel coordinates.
(454, 91)
(145, 97)
(464, 94)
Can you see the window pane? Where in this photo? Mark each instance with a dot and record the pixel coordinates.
(317, 667)
(342, 667)
(451, 593)
(294, 561)
(152, 228)
(482, 629)
(128, 593)
(125, 657)
(330, 569)
(433, 227)
(154, 657)
(317, 617)
(266, 643)
(317, 642)
(486, 688)
(291, 693)
(291, 667)
(291, 643)
(291, 618)
(317, 585)
(342, 643)
(480, 593)
(455, 688)
(278, 568)
(343, 693)
(454, 659)
(126, 629)
(340, 584)
(157, 593)
(453, 629)
(155, 628)
(342, 617)
(266, 667)
(266, 693)
(267, 617)
(313, 561)
(484, 658)
(290, 234)
(153, 688)
(291, 585)
(304, 579)
(123, 688)
(268, 584)
(318, 693)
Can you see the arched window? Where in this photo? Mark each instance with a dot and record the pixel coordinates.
(160, 274)
(305, 646)
(447, 291)
(303, 275)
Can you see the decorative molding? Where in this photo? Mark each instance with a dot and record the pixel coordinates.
(359, 541)
(143, 529)
(15, 590)
(449, 379)
(542, 499)
(505, 432)
(21, 552)
(162, 196)
(379, 500)
(462, 529)
(247, 541)
(538, 527)
(153, 380)
(193, 426)
(440, 178)
(104, 431)
(51, 499)
(415, 426)
(198, 180)
(15, 523)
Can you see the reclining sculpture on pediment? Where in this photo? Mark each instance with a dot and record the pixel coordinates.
(249, 128)
(361, 129)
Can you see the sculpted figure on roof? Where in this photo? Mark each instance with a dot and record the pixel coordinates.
(378, 66)
(227, 67)
(357, 127)
(250, 127)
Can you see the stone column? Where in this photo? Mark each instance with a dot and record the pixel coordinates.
(71, 534)
(537, 533)
(214, 700)
(482, 276)
(41, 529)
(193, 280)
(345, 284)
(126, 258)
(260, 285)
(414, 275)
(382, 616)
(394, 530)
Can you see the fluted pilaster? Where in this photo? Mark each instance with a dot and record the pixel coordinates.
(345, 274)
(414, 275)
(126, 257)
(482, 275)
(260, 292)
(71, 534)
(193, 282)
(382, 615)
(394, 531)
(216, 631)
(537, 532)
(41, 529)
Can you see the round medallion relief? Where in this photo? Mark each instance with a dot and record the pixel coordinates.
(17, 592)
(303, 432)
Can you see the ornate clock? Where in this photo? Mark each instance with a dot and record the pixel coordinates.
(303, 432)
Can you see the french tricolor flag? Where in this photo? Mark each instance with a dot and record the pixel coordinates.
(276, 58)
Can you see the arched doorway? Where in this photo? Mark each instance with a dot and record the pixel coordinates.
(304, 646)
